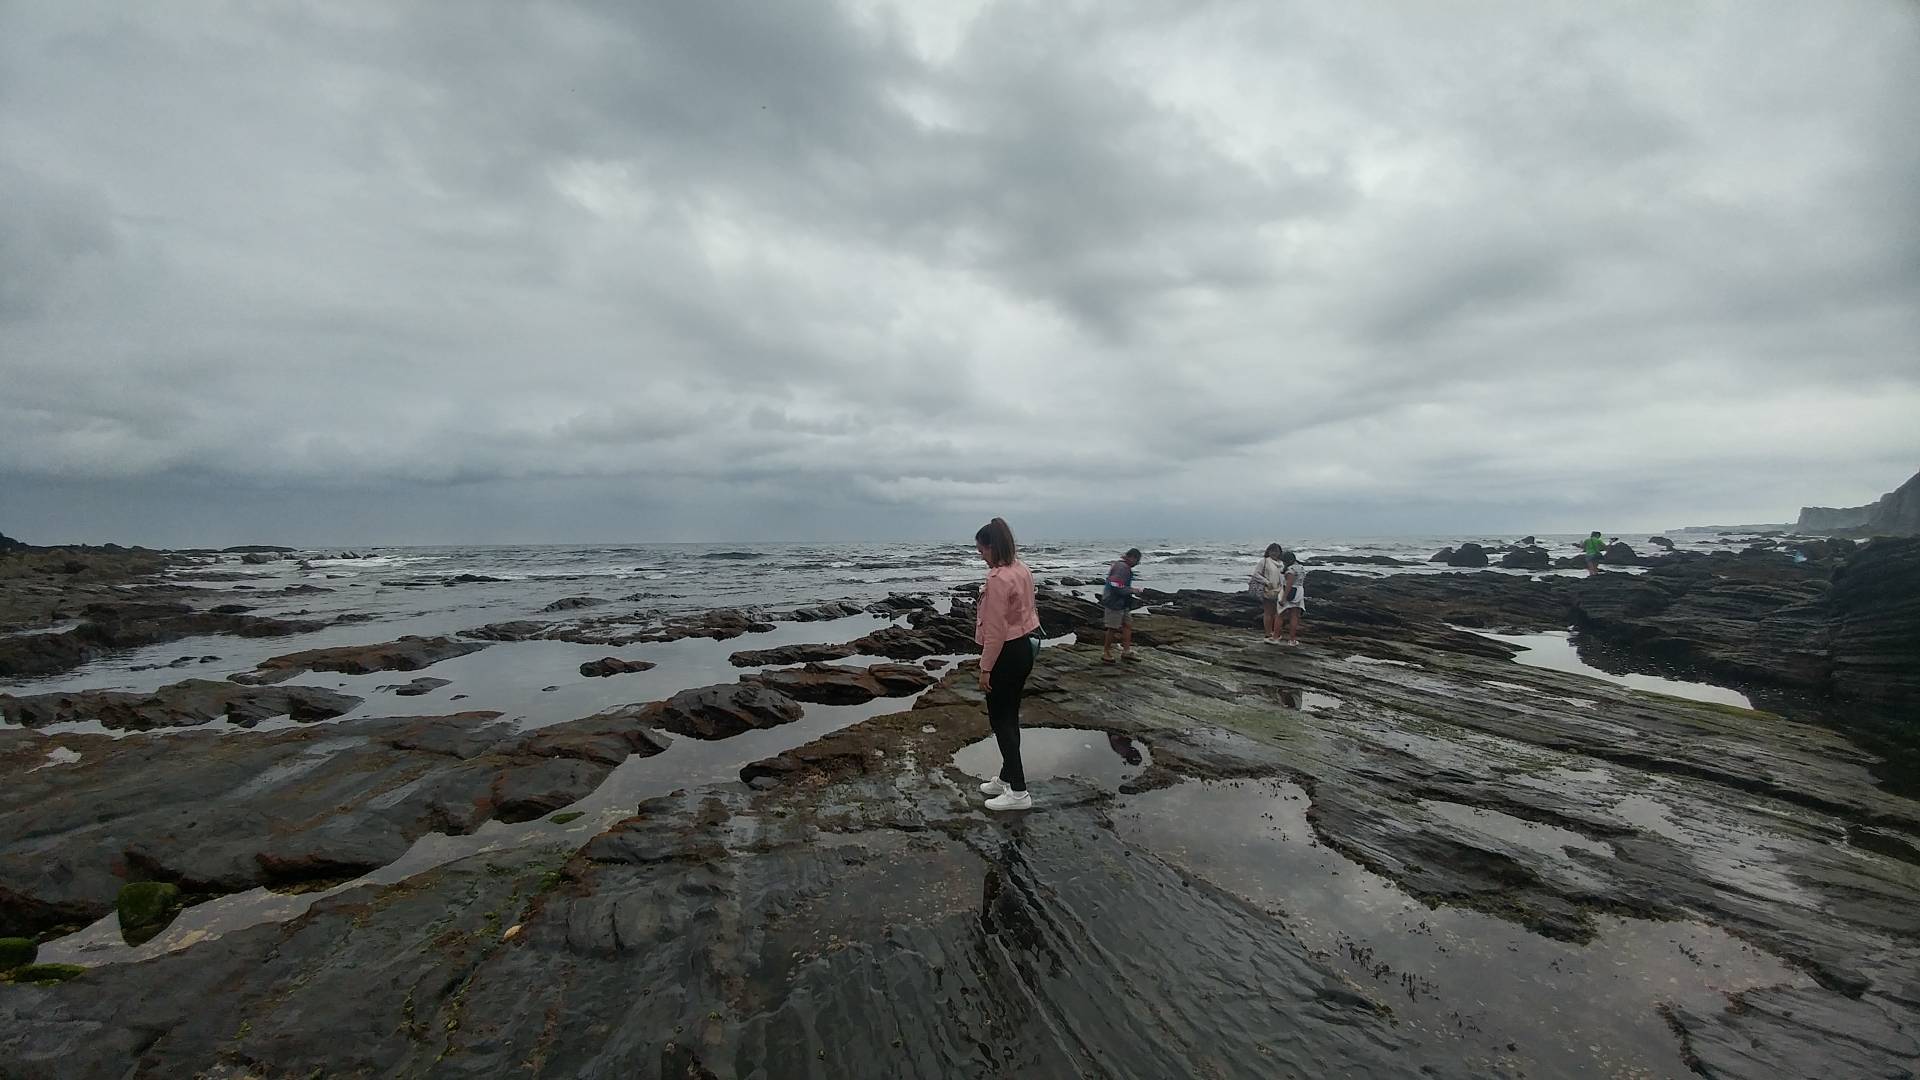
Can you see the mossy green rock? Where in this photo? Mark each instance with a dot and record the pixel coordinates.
(146, 907)
(562, 819)
(47, 973)
(17, 952)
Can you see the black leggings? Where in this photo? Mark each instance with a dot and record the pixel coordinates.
(1008, 679)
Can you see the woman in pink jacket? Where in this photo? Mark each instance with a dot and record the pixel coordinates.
(1006, 628)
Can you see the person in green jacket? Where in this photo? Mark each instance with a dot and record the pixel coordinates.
(1594, 546)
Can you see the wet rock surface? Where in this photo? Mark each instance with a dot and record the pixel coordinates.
(1391, 852)
(111, 626)
(182, 704)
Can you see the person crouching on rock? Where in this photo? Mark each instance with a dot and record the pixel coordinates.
(1007, 628)
(1265, 581)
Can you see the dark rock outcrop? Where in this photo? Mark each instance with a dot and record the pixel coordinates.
(1660, 542)
(791, 654)
(1876, 626)
(1527, 558)
(517, 630)
(409, 653)
(720, 712)
(1468, 555)
(841, 609)
(576, 603)
(831, 684)
(1364, 560)
(182, 704)
(929, 636)
(1760, 620)
(418, 687)
(898, 604)
(613, 665)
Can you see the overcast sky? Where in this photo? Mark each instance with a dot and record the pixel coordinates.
(352, 273)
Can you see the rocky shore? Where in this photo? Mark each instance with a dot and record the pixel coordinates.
(1393, 851)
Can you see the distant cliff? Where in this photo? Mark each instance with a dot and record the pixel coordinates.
(1897, 513)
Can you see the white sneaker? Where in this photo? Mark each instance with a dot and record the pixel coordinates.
(993, 787)
(1011, 800)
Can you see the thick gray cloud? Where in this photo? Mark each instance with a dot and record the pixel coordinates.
(370, 272)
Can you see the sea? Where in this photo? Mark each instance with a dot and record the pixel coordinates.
(698, 577)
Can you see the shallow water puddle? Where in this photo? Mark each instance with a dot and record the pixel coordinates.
(1550, 840)
(1309, 700)
(59, 755)
(1555, 651)
(1732, 856)
(1519, 1003)
(1106, 759)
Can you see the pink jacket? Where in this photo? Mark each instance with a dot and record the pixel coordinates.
(1007, 610)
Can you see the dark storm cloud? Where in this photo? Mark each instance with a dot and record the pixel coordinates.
(811, 268)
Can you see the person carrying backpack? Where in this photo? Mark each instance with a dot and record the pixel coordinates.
(1116, 600)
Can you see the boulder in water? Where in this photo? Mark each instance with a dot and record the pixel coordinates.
(613, 665)
(575, 603)
(834, 684)
(1527, 558)
(1468, 555)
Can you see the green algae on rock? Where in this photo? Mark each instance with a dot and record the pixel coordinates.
(145, 909)
(17, 952)
(44, 974)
